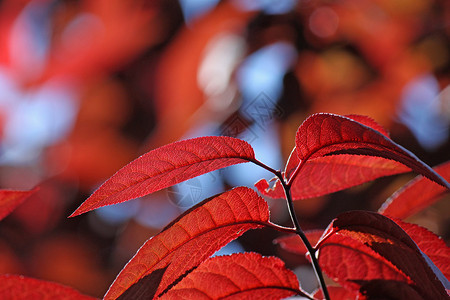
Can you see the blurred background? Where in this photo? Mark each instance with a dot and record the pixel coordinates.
(86, 86)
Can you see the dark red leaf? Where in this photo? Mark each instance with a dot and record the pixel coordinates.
(10, 199)
(418, 194)
(238, 276)
(166, 166)
(327, 134)
(193, 237)
(20, 287)
(146, 287)
(388, 289)
(336, 293)
(361, 246)
(324, 175)
(345, 260)
(430, 244)
(369, 122)
(294, 244)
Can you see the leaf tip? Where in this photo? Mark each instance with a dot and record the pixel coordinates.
(79, 211)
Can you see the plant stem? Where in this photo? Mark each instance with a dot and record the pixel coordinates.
(301, 234)
(298, 229)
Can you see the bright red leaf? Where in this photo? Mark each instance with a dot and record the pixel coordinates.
(418, 194)
(10, 199)
(238, 276)
(324, 175)
(192, 238)
(361, 246)
(330, 174)
(20, 287)
(166, 166)
(326, 134)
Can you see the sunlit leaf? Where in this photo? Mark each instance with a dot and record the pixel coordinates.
(238, 276)
(167, 166)
(193, 237)
(327, 134)
(361, 246)
(415, 196)
(328, 174)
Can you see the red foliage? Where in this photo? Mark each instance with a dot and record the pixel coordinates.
(239, 276)
(20, 287)
(191, 239)
(416, 195)
(359, 247)
(136, 75)
(430, 244)
(326, 134)
(324, 175)
(365, 252)
(322, 136)
(360, 250)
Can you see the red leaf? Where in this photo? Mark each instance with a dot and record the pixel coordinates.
(275, 192)
(336, 293)
(294, 244)
(166, 166)
(294, 160)
(369, 122)
(389, 289)
(362, 246)
(430, 244)
(10, 199)
(324, 175)
(330, 174)
(327, 134)
(238, 276)
(20, 287)
(418, 194)
(193, 237)
(345, 260)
